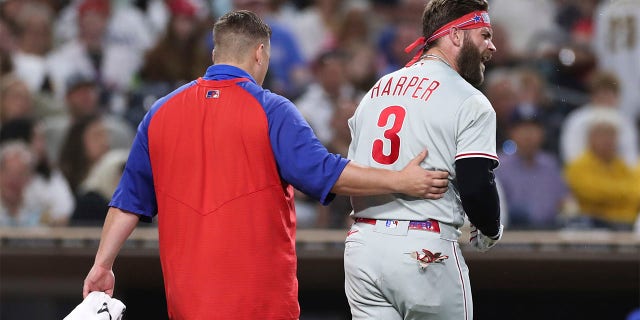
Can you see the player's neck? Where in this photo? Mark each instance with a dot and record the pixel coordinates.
(438, 54)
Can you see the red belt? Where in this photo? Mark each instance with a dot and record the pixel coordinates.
(428, 225)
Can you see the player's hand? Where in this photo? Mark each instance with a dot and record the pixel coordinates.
(99, 279)
(424, 183)
(482, 242)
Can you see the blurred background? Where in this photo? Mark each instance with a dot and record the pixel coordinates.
(77, 76)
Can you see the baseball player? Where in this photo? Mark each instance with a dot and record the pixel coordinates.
(402, 259)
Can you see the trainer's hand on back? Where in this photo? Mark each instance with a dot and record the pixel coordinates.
(419, 182)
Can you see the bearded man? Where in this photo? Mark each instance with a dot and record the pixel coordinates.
(402, 259)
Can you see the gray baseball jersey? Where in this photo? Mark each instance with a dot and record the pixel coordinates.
(427, 105)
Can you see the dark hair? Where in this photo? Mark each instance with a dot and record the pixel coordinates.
(17, 129)
(326, 56)
(74, 162)
(437, 13)
(236, 31)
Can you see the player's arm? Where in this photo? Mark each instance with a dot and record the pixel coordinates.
(307, 165)
(480, 200)
(475, 160)
(117, 227)
(478, 192)
(358, 180)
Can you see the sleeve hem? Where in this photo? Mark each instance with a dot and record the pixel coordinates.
(327, 196)
(144, 216)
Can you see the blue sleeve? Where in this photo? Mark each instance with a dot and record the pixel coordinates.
(302, 160)
(135, 192)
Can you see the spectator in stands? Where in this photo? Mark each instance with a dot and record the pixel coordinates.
(288, 73)
(82, 101)
(500, 89)
(48, 187)
(156, 15)
(7, 47)
(336, 214)
(617, 48)
(15, 99)
(576, 18)
(10, 8)
(394, 28)
(181, 54)
(505, 57)
(361, 65)
(95, 53)
(523, 30)
(16, 170)
(604, 93)
(86, 142)
(355, 37)
(319, 102)
(392, 42)
(531, 179)
(127, 24)
(606, 187)
(354, 27)
(33, 31)
(319, 18)
(95, 191)
(8, 40)
(533, 96)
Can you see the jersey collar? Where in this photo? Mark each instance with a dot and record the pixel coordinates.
(226, 72)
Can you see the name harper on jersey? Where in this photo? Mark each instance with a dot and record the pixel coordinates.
(419, 87)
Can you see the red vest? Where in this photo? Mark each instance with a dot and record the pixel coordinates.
(226, 219)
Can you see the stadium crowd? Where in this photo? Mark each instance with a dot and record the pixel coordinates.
(77, 76)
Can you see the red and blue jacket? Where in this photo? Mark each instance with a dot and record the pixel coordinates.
(216, 161)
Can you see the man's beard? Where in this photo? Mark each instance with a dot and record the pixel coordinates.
(469, 61)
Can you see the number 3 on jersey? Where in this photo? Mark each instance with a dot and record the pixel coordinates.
(390, 134)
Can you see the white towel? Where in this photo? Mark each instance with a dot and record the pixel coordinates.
(97, 306)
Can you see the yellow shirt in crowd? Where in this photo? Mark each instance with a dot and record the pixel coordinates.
(609, 192)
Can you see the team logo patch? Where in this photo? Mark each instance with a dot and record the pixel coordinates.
(427, 257)
(213, 94)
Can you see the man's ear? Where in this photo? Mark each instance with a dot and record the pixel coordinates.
(259, 54)
(456, 35)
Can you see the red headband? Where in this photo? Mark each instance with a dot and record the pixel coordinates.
(473, 20)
